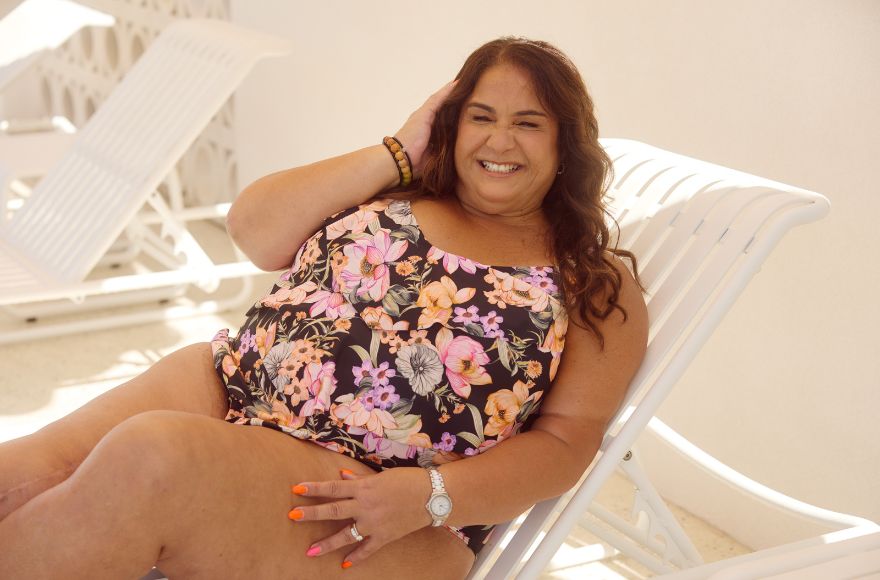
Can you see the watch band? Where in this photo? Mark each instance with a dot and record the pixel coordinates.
(439, 499)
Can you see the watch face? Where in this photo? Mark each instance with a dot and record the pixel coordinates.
(441, 505)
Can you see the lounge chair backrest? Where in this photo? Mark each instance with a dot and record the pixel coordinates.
(131, 143)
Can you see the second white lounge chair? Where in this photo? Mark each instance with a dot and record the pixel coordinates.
(52, 244)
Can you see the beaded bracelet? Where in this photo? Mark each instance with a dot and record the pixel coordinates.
(401, 158)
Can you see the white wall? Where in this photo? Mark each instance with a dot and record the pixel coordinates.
(787, 389)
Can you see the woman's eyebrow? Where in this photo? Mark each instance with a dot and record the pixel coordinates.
(489, 109)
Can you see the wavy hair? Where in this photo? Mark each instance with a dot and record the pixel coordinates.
(578, 235)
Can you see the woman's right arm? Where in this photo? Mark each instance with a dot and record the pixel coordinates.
(274, 215)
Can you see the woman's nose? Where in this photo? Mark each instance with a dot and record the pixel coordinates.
(500, 139)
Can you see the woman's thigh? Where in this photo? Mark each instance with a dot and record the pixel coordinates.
(184, 381)
(234, 495)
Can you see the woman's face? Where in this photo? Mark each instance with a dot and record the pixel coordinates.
(506, 153)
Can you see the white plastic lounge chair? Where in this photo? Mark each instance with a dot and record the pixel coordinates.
(50, 246)
(27, 33)
(700, 232)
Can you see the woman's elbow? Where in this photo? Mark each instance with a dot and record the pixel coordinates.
(243, 237)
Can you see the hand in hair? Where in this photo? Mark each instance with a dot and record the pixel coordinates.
(416, 130)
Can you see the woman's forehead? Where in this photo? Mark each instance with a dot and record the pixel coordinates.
(508, 86)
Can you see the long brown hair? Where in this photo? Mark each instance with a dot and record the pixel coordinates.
(578, 234)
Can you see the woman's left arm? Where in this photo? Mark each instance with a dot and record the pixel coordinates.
(550, 458)
(504, 481)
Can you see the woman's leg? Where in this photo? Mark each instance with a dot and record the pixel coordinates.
(199, 498)
(184, 380)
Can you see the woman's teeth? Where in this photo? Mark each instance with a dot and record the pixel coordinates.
(499, 167)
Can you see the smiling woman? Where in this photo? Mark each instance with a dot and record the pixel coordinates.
(407, 366)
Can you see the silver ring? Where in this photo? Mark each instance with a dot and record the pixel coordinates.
(355, 534)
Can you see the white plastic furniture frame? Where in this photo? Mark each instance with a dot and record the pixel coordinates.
(700, 232)
(133, 141)
(27, 33)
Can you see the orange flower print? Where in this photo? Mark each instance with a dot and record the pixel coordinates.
(533, 369)
(437, 299)
(511, 291)
(503, 407)
(404, 268)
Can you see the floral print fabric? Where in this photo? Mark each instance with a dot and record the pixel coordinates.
(381, 346)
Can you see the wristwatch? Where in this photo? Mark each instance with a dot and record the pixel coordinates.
(439, 505)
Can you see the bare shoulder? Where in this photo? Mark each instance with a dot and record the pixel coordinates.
(593, 380)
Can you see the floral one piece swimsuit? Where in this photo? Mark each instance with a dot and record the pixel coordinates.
(381, 346)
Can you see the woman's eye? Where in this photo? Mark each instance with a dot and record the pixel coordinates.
(481, 118)
(527, 124)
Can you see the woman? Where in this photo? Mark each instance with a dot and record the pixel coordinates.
(420, 326)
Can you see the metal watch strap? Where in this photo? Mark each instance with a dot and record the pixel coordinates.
(437, 489)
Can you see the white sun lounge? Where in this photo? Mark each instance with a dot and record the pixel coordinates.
(51, 245)
(700, 232)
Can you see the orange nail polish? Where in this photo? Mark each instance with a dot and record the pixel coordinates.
(344, 472)
(299, 489)
(347, 564)
(295, 514)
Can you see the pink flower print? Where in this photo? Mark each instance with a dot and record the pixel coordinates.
(369, 400)
(447, 442)
(451, 262)
(542, 271)
(320, 381)
(332, 304)
(543, 282)
(463, 358)
(354, 223)
(466, 316)
(289, 295)
(355, 414)
(388, 448)
(384, 397)
(382, 374)
(247, 342)
(367, 270)
(362, 372)
(490, 323)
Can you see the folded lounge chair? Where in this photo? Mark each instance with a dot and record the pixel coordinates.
(50, 246)
(700, 232)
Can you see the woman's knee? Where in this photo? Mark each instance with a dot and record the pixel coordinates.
(152, 449)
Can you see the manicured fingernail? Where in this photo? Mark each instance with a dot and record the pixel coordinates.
(299, 489)
(313, 551)
(346, 472)
(295, 514)
(347, 564)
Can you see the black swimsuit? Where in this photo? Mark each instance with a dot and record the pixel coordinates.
(379, 345)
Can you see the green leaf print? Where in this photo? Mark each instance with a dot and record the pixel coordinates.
(478, 421)
(374, 348)
(363, 354)
(390, 305)
(470, 438)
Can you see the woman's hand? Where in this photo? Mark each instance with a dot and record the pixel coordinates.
(384, 506)
(416, 131)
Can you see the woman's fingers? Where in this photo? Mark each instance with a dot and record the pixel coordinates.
(345, 539)
(416, 132)
(334, 510)
(333, 488)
